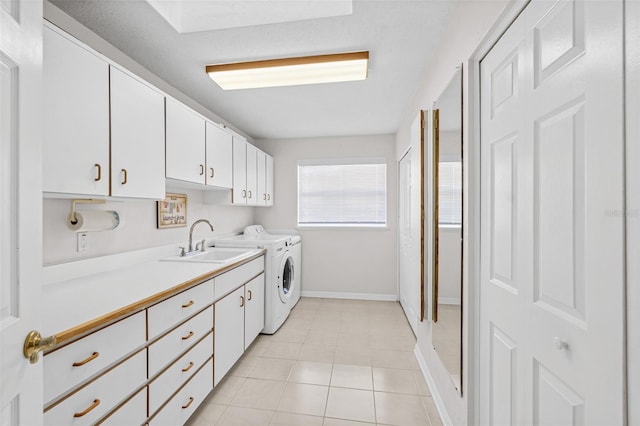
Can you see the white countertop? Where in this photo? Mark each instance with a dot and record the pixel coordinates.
(79, 300)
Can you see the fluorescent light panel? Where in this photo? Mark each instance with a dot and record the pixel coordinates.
(291, 71)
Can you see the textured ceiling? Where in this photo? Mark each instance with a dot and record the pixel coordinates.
(400, 35)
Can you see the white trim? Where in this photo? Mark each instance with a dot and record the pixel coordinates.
(433, 389)
(449, 300)
(471, 208)
(353, 296)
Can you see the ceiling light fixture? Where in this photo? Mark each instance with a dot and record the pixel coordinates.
(291, 71)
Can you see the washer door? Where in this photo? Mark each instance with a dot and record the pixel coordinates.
(286, 277)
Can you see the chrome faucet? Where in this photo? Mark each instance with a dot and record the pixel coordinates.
(191, 233)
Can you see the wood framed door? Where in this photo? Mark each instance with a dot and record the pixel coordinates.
(552, 238)
(20, 207)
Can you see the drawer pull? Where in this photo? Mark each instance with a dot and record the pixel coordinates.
(186, 305)
(241, 301)
(250, 295)
(99, 169)
(201, 169)
(188, 367)
(188, 336)
(185, 406)
(96, 402)
(87, 360)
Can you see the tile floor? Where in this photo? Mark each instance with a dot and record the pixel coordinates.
(333, 363)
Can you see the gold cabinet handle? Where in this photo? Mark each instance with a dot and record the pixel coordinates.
(250, 195)
(244, 193)
(212, 172)
(86, 360)
(34, 343)
(99, 170)
(188, 336)
(264, 196)
(95, 403)
(268, 196)
(186, 305)
(124, 176)
(188, 367)
(250, 295)
(185, 406)
(201, 169)
(241, 301)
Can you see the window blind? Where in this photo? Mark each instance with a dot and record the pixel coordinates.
(450, 193)
(342, 194)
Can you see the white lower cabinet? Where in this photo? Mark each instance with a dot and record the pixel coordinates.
(179, 372)
(156, 366)
(100, 396)
(239, 318)
(179, 408)
(133, 412)
(229, 333)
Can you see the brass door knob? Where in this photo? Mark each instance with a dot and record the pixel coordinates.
(35, 343)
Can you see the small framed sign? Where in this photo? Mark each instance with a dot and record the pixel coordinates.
(172, 211)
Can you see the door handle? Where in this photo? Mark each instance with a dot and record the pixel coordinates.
(34, 343)
(201, 169)
(241, 301)
(99, 170)
(212, 172)
(124, 176)
(250, 295)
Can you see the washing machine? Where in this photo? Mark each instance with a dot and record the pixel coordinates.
(281, 271)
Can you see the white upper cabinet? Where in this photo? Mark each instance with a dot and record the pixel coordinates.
(137, 138)
(76, 118)
(103, 128)
(261, 165)
(219, 156)
(269, 180)
(252, 175)
(185, 149)
(239, 195)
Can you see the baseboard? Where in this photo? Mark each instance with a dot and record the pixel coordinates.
(355, 296)
(437, 399)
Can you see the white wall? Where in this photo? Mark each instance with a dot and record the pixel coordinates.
(336, 262)
(466, 29)
(138, 228)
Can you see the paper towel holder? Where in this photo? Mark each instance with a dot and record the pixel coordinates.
(72, 216)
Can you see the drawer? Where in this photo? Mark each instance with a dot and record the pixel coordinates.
(182, 406)
(237, 277)
(172, 311)
(72, 364)
(134, 412)
(179, 340)
(174, 377)
(100, 396)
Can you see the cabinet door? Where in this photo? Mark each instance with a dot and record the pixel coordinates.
(76, 118)
(254, 309)
(239, 171)
(219, 149)
(185, 153)
(261, 183)
(252, 175)
(229, 333)
(137, 138)
(269, 180)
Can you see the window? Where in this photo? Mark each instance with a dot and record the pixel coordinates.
(450, 193)
(342, 193)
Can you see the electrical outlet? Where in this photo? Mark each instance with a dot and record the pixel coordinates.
(83, 241)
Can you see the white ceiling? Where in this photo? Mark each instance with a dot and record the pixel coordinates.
(399, 34)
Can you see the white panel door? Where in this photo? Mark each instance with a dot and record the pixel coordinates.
(185, 146)
(76, 119)
(239, 194)
(20, 207)
(551, 292)
(219, 157)
(137, 138)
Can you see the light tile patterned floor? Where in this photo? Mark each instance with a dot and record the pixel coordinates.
(334, 363)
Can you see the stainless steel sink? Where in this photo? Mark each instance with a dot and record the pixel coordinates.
(212, 255)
